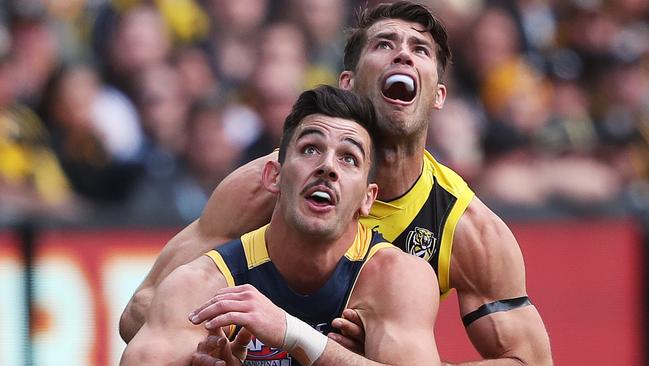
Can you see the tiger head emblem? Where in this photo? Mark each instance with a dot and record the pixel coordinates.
(421, 242)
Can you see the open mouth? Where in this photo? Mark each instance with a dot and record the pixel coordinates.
(320, 198)
(399, 87)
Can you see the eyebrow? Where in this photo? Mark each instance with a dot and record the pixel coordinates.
(355, 143)
(309, 131)
(420, 41)
(313, 131)
(393, 36)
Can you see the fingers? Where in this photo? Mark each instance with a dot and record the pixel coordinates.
(210, 351)
(210, 345)
(221, 292)
(227, 319)
(216, 305)
(239, 346)
(216, 350)
(235, 298)
(220, 308)
(352, 316)
(201, 359)
(352, 333)
(349, 329)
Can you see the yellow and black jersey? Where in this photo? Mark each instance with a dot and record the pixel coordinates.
(422, 221)
(246, 261)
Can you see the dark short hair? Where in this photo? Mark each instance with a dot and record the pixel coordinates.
(332, 102)
(404, 10)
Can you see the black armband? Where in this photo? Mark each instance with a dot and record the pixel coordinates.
(494, 307)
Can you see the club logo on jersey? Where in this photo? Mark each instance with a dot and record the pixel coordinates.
(421, 242)
(261, 355)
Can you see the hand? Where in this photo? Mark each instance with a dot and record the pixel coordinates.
(244, 306)
(216, 350)
(352, 333)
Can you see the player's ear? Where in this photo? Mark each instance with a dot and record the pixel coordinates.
(346, 80)
(440, 96)
(368, 200)
(270, 176)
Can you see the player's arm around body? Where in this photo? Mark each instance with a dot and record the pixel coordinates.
(239, 204)
(487, 266)
(167, 337)
(398, 315)
(397, 300)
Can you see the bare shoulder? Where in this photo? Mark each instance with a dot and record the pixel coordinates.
(486, 259)
(239, 196)
(394, 278)
(388, 264)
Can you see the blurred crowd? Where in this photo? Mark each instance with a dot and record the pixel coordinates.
(140, 107)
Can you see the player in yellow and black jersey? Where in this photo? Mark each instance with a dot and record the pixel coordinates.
(422, 221)
(396, 56)
(286, 282)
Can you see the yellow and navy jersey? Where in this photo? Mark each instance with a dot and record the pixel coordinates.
(422, 221)
(246, 261)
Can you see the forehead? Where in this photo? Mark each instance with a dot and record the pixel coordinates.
(334, 128)
(400, 27)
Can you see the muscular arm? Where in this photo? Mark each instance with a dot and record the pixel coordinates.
(487, 266)
(167, 337)
(239, 204)
(396, 296)
(397, 299)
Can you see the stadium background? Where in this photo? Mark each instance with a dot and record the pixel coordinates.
(117, 118)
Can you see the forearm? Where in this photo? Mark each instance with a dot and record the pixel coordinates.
(311, 347)
(335, 354)
(240, 203)
(514, 337)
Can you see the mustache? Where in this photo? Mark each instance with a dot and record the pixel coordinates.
(321, 182)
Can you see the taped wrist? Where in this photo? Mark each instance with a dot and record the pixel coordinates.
(302, 341)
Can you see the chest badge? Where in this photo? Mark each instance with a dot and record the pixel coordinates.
(261, 355)
(421, 242)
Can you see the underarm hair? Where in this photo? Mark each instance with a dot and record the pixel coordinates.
(494, 307)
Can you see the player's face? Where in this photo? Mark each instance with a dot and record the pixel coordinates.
(397, 70)
(323, 181)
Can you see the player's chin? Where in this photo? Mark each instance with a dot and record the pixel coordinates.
(316, 225)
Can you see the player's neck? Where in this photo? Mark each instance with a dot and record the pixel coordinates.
(399, 167)
(306, 262)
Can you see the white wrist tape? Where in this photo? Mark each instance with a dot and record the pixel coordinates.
(302, 341)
